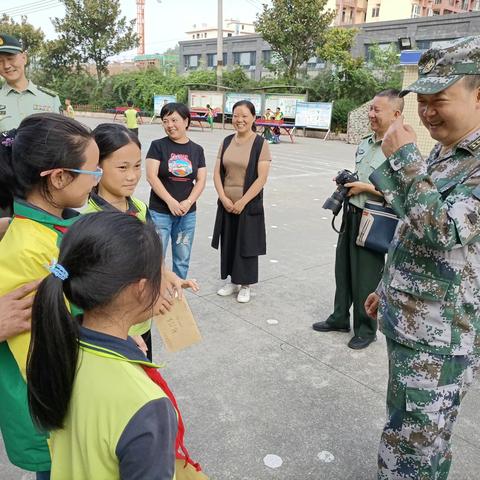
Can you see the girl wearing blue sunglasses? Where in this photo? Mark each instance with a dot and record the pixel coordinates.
(48, 166)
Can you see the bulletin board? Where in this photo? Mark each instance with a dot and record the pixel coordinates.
(287, 103)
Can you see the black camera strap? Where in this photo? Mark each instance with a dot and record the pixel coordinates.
(344, 214)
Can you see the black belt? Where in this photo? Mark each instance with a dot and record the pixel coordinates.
(354, 209)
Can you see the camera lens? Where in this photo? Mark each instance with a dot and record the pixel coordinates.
(332, 204)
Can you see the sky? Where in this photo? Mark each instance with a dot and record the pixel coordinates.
(166, 21)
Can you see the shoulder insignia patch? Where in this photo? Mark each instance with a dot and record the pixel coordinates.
(47, 91)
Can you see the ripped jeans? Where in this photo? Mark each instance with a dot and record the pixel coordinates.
(181, 230)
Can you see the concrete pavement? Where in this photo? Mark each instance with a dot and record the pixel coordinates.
(253, 387)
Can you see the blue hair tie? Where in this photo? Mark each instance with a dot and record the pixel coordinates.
(57, 270)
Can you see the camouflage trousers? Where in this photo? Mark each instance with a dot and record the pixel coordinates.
(423, 399)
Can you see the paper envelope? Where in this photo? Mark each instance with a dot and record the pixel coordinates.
(177, 327)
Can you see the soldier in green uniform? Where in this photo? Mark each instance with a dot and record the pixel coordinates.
(357, 269)
(428, 301)
(19, 97)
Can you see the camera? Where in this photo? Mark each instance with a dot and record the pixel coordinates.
(335, 202)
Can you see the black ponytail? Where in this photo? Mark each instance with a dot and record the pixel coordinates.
(52, 359)
(103, 253)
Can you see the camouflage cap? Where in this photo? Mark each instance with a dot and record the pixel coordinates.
(9, 44)
(441, 67)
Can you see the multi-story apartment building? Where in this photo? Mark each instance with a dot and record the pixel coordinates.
(352, 12)
(349, 12)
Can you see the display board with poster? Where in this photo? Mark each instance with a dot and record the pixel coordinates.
(287, 103)
(159, 101)
(317, 115)
(198, 100)
(232, 98)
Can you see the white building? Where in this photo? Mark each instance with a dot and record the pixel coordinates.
(231, 28)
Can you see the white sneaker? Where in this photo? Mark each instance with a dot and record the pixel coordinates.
(243, 295)
(228, 289)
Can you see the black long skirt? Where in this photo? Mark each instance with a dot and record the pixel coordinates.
(242, 270)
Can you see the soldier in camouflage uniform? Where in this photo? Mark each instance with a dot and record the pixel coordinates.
(429, 298)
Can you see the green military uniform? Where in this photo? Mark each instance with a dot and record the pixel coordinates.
(430, 292)
(15, 106)
(368, 157)
(357, 269)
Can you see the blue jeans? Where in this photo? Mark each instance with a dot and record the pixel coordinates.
(181, 230)
(43, 475)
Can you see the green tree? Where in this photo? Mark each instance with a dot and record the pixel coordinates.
(93, 31)
(236, 78)
(173, 51)
(336, 48)
(32, 38)
(385, 65)
(56, 61)
(294, 29)
(142, 86)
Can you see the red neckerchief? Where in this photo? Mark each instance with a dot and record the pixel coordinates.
(181, 451)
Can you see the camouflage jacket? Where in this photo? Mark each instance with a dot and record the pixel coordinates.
(430, 290)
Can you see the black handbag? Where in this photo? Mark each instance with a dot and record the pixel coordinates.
(377, 227)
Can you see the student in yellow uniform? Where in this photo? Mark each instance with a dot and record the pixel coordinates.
(121, 162)
(87, 380)
(50, 164)
(69, 112)
(131, 116)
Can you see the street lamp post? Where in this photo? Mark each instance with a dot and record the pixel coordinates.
(220, 43)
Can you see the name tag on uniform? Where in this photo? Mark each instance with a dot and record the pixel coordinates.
(3, 109)
(42, 108)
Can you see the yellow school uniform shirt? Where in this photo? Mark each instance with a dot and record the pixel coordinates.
(131, 116)
(29, 245)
